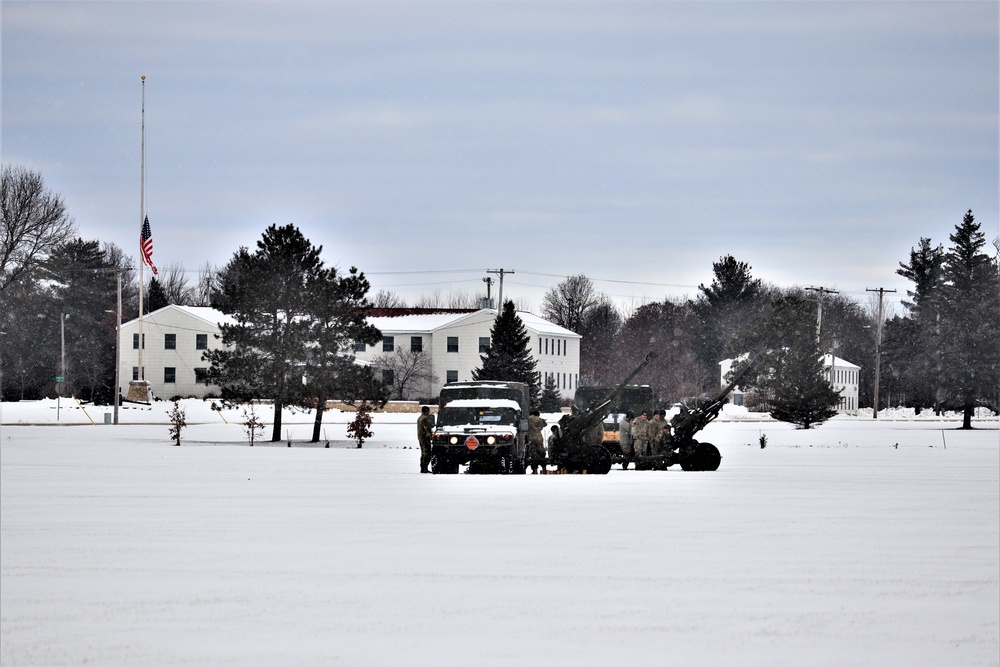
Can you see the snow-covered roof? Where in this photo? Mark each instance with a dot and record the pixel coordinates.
(838, 362)
(726, 364)
(482, 403)
(203, 313)
(431, 322)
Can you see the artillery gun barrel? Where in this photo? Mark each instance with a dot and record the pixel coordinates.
(689, 422)
(596, 413)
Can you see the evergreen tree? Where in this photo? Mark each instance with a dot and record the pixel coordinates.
(268, 295)
(84, 289)
(550, 401)
(156, 298)
(792, 378)
(912, 345)
(970, 322)
(509, 357)
(337, 310)
(724, 309)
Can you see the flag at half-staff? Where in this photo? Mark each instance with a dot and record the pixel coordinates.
(146, 245)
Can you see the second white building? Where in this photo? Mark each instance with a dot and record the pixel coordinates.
(456, 341)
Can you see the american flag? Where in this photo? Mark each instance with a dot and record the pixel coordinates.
(146, 245)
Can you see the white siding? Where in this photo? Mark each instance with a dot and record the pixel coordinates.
(185, 323)
(469, 328)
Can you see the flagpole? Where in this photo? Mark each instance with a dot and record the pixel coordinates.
(142, 215)
(138, 388)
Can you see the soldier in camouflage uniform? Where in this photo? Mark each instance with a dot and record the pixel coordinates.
(425, 428)
(640, 435)
(536, 444)
(656, 433)
(625, 438)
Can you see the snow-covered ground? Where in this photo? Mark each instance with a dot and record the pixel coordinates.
(858, 543)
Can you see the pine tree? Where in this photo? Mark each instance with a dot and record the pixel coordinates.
(268, 295)
(912, 345)
(724, 309)
(970, 322)
(509, 357)
(551, 401)
(337, 308)
(157, 297)
(792, 379)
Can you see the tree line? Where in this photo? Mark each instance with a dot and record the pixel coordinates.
(941, 353)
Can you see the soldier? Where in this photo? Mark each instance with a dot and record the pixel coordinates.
(640, 435)
(625, 438)
(553, 438)
(425, 428)
(656, 433)
(536, 444)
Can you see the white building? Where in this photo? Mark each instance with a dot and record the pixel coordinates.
(175, 338)
(457, 339)
(842, 374)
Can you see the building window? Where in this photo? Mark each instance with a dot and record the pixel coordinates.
(388, 344)
(169, 341)
(359, 346)
(453, 343)
(484, 344)
(135, 341)
(201, 375)
(452, 376)
(201, 341)
(169, 375)
(135, 373)
(416, 344)
(546, 346)
(387, 376)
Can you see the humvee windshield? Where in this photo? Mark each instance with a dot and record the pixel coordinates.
(448, 416)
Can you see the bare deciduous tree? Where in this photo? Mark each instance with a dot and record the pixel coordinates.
(175, 286)
(35, 222)
(412, 371)
(567, 303)
(386, 299)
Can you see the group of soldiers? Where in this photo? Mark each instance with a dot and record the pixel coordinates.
(639, 436)
(642, 435)
(534, 456)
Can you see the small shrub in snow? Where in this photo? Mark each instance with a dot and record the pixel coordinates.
(360, 428)
(252, 424)
(178, 420)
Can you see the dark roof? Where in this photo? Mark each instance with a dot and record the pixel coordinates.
(400, 312)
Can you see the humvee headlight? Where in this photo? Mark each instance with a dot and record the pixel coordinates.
(491, 440)
(453, 440)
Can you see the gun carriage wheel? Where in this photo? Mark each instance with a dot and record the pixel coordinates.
(705, 457)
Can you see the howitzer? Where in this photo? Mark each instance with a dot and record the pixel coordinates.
(680, 445)
(578, 447)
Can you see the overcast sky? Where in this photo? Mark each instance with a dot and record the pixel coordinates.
(425, 142)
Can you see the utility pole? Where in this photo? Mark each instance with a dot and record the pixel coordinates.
(878, 346)
(62, 362)
(501, 273)
(819, 314)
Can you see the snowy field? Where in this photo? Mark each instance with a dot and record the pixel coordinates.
(858, 543)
